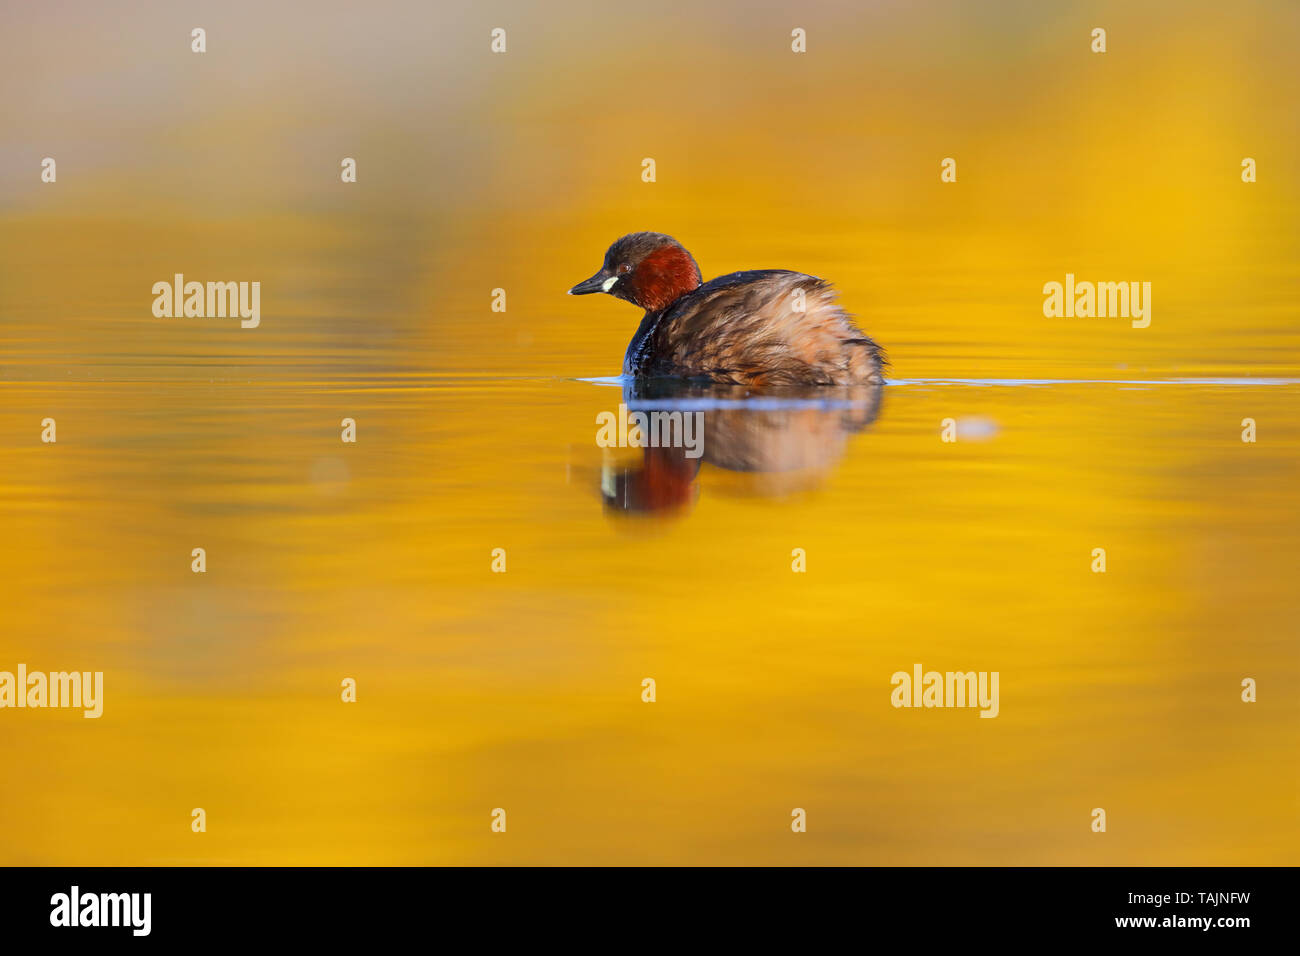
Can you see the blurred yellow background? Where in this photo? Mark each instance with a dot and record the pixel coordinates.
(477, 690)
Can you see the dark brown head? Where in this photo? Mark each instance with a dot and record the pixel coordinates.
(647, 269)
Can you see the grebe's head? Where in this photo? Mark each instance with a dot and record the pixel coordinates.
(647, 269)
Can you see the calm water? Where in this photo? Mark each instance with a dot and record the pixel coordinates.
(522, 690)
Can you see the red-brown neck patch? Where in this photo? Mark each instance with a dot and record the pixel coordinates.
(663, 277)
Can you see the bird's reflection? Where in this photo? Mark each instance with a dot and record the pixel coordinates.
(781, 440)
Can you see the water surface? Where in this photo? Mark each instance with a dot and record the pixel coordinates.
(522, 690)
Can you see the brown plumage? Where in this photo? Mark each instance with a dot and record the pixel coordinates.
(746, 328)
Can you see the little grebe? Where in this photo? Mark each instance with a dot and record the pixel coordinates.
(747, 328)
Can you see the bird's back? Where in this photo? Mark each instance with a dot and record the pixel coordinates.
(762, 327)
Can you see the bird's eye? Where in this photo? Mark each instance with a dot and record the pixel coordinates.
(624, 269)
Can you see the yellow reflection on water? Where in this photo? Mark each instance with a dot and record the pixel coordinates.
(522, 690)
